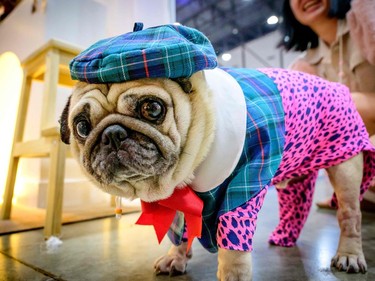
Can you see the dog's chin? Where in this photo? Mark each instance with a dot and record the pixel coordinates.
(124, 166)
(149, 189)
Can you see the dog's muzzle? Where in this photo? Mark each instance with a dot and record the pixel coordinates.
(121, 154)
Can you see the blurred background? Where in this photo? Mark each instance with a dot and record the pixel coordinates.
(243, 33)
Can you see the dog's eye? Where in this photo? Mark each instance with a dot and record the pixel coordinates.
(152, 110)
(83, 128)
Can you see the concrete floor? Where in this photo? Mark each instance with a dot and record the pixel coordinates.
(107, 249)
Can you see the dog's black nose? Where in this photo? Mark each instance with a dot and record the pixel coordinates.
(114, 135)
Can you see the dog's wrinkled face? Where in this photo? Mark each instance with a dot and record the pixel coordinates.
(131, 137)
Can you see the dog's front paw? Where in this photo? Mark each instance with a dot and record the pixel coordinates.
(234, 266)
(349, 263)
(175, 262)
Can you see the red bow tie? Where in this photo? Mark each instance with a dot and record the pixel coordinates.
(160, 214)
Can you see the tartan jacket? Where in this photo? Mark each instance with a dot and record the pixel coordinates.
(258, 162)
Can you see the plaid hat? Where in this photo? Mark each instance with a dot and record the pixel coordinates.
(170, 51)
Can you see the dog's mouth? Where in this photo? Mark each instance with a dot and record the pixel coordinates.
(121, 155)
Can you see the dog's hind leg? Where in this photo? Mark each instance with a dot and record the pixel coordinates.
(346, 179)
(294, 205)
(175, 261)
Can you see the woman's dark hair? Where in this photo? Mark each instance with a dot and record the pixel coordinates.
(299, 37)
(339, 8)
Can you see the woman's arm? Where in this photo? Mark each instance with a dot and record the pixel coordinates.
(365, 104)
(301, 65)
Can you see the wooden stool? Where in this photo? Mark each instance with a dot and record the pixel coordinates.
(50, 64)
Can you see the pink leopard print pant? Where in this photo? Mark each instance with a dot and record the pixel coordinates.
(294, 205)
(236, 228)
(341, 135)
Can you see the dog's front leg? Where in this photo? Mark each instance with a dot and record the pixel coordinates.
(175, 261)
(234, 265)
(234, 237)
(346, 179)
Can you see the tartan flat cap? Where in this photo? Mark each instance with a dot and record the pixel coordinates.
(169, 51)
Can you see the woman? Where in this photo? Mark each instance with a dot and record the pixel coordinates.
(322, 32)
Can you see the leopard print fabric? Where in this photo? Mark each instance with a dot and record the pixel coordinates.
(236, 228)
(323, 129)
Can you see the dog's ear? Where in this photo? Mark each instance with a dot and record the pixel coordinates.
(184, 83)
(64, 128)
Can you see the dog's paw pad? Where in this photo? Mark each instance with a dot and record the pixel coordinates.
(171, 272)
(176, 272)
(159, 272)
(170, 265)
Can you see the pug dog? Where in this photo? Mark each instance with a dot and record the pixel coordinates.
(146, 138)
(154, 118)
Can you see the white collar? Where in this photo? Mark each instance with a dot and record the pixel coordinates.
(230, 131)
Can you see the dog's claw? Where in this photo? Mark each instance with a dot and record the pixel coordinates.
(362, 268)
(174, 263)
(350, 263)
(352, 269)
(159, 272)
(333, 262)
(342, 267)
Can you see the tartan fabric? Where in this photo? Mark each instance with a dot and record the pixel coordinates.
(169, 51)
(258, 163)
